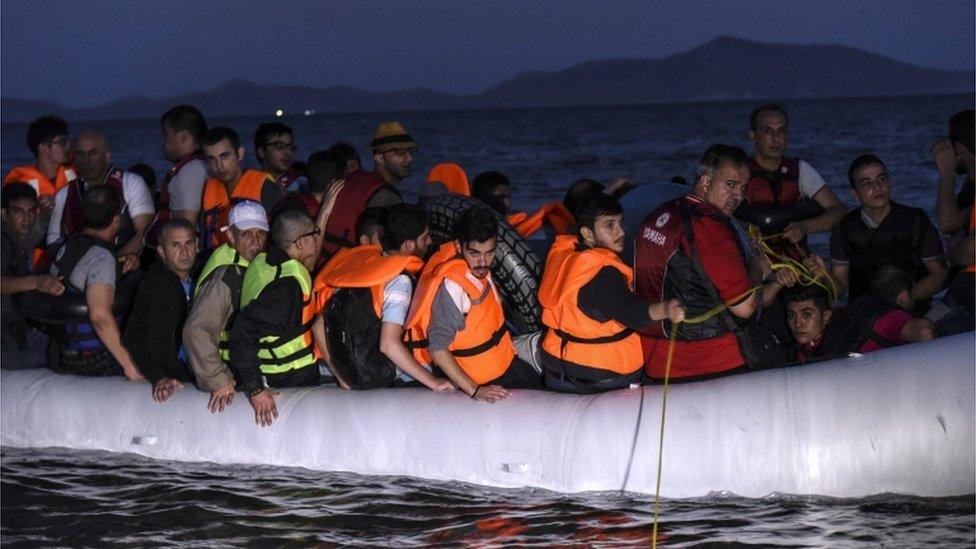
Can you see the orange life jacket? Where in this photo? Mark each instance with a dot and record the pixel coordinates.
(483, 348)
(364, 266)
(572, 335)
(452, 176)
(216, 204)
(553, 214)
(33, 177)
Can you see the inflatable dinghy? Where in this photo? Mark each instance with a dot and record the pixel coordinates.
(899, 420)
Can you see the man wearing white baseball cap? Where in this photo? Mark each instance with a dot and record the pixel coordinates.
(217, 299)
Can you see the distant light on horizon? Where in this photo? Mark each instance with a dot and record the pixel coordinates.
(279, 113)
(309, 112)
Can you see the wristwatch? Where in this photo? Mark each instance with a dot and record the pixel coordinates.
(255, 392)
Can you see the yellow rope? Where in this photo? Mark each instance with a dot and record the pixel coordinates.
(664, 396)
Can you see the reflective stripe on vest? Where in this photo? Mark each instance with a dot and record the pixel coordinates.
(293, 349)
(223, 256)
(573, 336)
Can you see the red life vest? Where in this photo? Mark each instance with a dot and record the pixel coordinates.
(767, 188)
(72, 217)
(33, 177)
(163, 214)
(286, 179)
(340, 231)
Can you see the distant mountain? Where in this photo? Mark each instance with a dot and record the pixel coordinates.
(723, 69)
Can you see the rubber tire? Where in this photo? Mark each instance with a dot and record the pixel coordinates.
(516, 270)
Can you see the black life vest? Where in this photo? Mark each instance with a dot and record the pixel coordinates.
(853, 326)
(897, 241)
(79, 335)
(353, 333)
(684, 282)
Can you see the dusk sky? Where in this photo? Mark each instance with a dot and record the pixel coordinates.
(88, 52)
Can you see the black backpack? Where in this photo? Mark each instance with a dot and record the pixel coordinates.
(353, 334)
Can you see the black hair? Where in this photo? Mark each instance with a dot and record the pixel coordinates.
(476, 224)
(219, 133)
(146, 172)
(860, 162)
(402, 222)
(268, 129)
(800, 292)
(486, 183)
(593, 206)
(100, 206)
(186, 118)
(323, 168)
(578, 191)
(718, 155)
(16, 191)
(347, 151)
(961, 129)
(890, 280)
(369, 222)
(175, 223)
(770, 107)
(287, 226)
(44, 130)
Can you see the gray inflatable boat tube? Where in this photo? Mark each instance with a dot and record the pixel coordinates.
(895, 421)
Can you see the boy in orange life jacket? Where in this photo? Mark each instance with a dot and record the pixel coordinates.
(457, 311)
(589, 307)
(364, 293)
(230, 183)
(47, 138)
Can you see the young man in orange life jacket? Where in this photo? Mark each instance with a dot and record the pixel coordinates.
(589, 307)
(364, 294)
(456, 321)
(230, 183)
(47, 139)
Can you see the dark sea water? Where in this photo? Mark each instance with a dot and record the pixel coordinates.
(66, 498)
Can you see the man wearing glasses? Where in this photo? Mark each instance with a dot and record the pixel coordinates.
(47, 138)
(274, 145)
(271, 338)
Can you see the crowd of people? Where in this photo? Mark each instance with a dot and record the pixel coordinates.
(297, 273)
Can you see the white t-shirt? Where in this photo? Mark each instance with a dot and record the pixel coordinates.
(135, 194)
(810, 181)
(186, 189)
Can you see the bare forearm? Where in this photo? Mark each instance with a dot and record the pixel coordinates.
(445, 361)
(963, 252)
(18, 284)
(405, 362)
(108, 332)
(825, 221)
(930, 285)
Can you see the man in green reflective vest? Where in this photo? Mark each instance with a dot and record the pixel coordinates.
(271, 339)
(216, 300)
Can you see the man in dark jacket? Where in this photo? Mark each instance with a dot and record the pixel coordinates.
(154, 332)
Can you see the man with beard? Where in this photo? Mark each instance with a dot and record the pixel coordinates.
(589, 306)
(691, 249)
(93, 162)
(456, 321)
(274, 145)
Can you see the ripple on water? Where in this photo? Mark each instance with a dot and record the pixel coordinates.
(58, 497)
